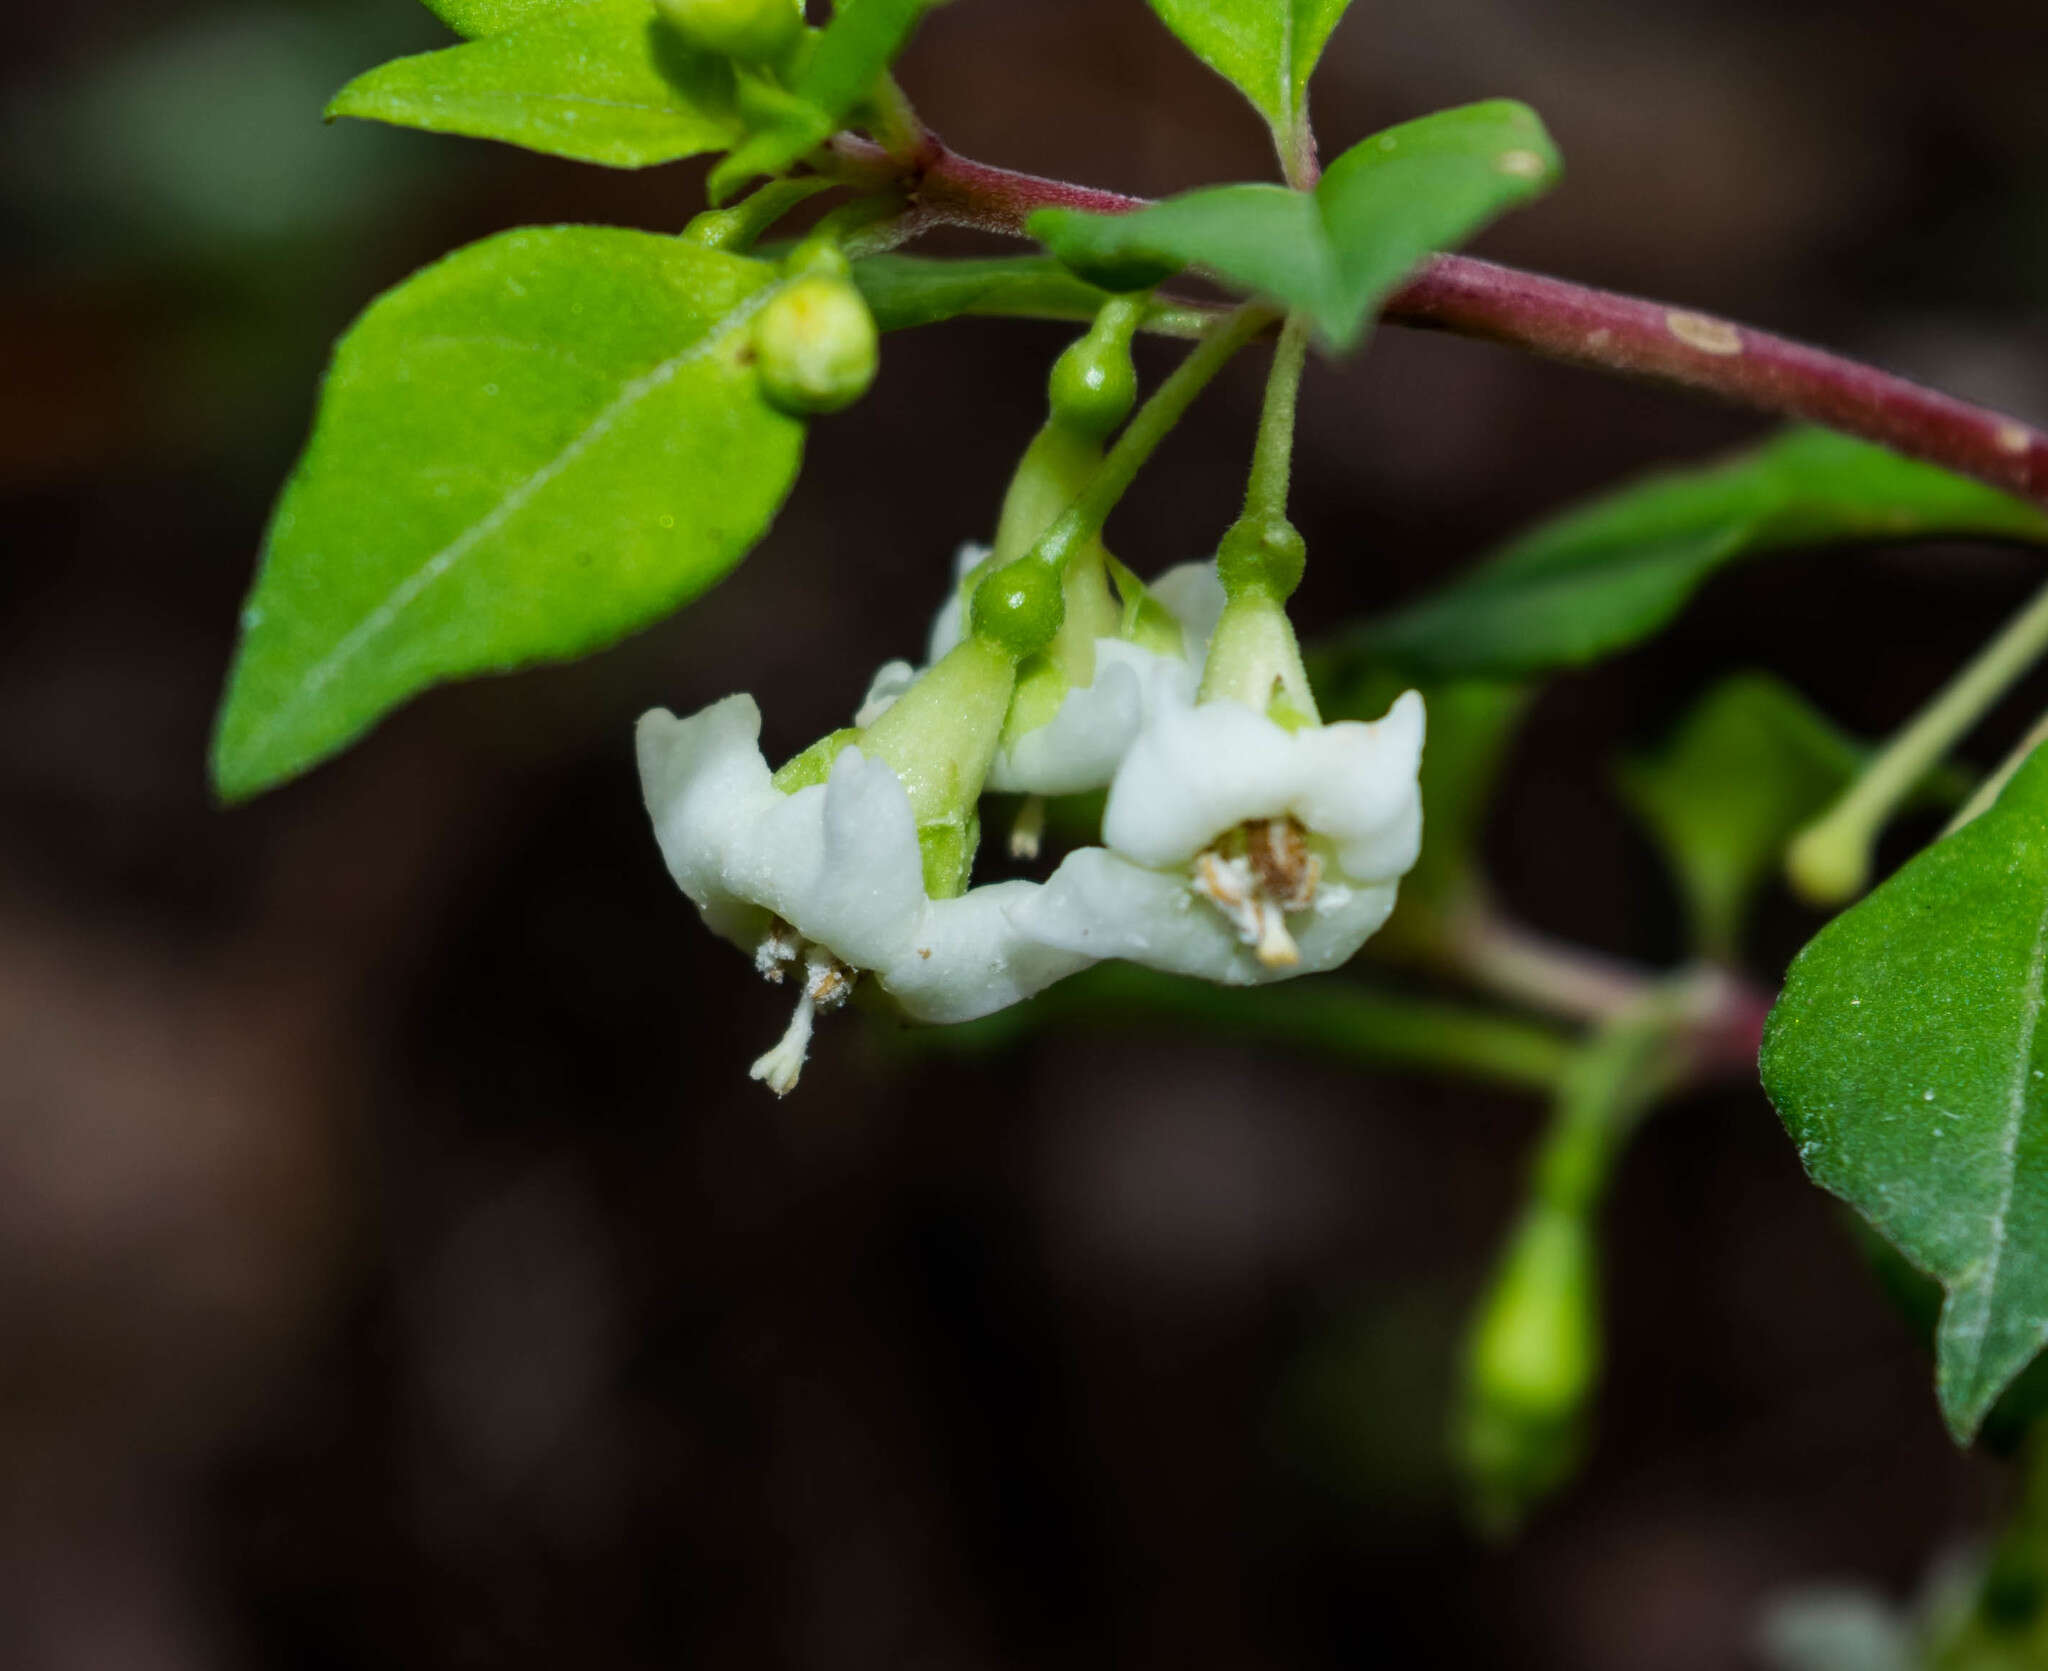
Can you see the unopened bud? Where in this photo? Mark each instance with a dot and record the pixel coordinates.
(816, 346)
(1020, 606)
(753, 31)
(1532, 1362)
(1094, 385)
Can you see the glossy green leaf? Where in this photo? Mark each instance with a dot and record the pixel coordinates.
(846, 61)
(1267, 48)
(523, 453)
(1382, 208)
(1908, 1061)
(1601, 577)
(592, 85)
(475, 19)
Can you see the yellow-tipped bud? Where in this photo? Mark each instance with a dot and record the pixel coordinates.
(816, 345)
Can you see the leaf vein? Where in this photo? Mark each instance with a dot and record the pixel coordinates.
(409, 591)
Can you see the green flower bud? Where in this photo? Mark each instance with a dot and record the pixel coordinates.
(1094, 385)
(816, 346)
(1532, 1362)
(1268, 557)
(753, 31)
(1019, 606)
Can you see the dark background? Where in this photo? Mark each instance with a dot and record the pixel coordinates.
(397, 1268)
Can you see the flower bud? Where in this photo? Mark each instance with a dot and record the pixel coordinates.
(1019, 606)
(1268, 557)
(753, 31)
(1532, 1362)
(816, 346)
(1094, 385)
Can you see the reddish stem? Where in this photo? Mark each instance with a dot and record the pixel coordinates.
(1572, 323)
(1649, 340)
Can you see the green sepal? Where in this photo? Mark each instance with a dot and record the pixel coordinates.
(814, 765)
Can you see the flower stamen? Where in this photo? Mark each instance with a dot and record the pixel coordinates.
(1255, 876)
(828, 983)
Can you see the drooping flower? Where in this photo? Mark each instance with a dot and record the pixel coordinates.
(1243, 840)
(825, 883)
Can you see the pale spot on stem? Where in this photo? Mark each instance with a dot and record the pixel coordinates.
(1709, 336)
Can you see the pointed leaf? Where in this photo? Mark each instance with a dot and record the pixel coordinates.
(475, 19)
(1749, 767)
(592, 85)
(1604, 576)
(523, 453)
(1383, 208)
(1908, 1061)
(1267, 48)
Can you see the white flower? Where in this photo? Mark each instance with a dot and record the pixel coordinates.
(1240, 851)
(1080, 746)
(829, 879)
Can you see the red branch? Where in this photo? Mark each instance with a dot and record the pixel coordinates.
(1575, 324)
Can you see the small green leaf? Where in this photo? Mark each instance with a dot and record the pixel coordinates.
(475, 19)
(1908, 1061)
(1383, 207)
(1599, 578)
(846, 61)
(907, 290)
(594, 86)
(1267, 48)
(522, 454)
(1745, 771)
(1749, 767)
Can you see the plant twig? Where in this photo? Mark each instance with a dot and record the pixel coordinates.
(1572, 323)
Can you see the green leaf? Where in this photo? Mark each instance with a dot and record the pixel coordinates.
(475, 19)
(1744, 773)
(593, 85)
(523, 453)
(907, 290)
(1601, 577)
(1382, 208)
(846, 61)
(1747, 769)
(1267, 48)
(1908, 1061)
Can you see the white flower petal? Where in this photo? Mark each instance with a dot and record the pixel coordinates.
(1193, 595)
(1102, 905)
(1196, 772)
(949, 626)
(891, 680)
(1080, 747)
(838, 862)
(970, 958)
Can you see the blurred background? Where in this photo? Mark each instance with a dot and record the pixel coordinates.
(397, 1268)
